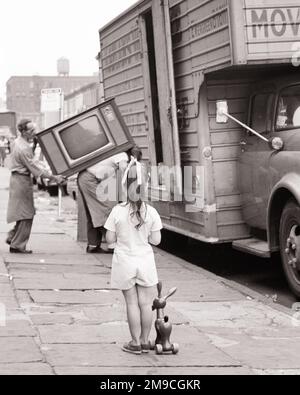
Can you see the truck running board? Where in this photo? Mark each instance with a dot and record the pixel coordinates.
(253, 246)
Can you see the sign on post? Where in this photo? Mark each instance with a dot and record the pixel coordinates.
(52, 106)
(51, 100)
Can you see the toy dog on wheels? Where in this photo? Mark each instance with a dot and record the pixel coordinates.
(162, 325)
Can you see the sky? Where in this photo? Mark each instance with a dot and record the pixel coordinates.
(35, 33)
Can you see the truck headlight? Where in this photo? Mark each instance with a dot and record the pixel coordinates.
(277, 144)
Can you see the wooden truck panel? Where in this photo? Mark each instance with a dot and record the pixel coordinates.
(123, 74)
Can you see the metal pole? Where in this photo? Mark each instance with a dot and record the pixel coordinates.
(59, 187)
(59, 201)
(246, 127)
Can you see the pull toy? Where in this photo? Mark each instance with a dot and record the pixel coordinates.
(162, 325)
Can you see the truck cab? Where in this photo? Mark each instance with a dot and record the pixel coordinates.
(269, 174)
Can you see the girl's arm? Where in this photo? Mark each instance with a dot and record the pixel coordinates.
(111, 237)
(155, 238)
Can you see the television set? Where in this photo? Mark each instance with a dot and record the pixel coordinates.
(85, 139)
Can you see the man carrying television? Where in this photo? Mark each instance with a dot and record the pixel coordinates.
(20, 205)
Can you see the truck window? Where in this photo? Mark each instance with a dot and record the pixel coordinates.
(288, 109)
(260, 112)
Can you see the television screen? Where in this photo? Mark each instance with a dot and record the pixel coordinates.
(85, 139)
(91, 130)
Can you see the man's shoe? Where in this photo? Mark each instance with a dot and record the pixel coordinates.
(17, 251)
(98, 250)
(93, 250)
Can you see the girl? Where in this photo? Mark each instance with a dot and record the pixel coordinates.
(133, 225)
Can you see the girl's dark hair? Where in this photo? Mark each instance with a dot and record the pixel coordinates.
(135, 204)
(136, 152)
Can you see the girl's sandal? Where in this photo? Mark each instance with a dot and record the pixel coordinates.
(131, 348)
(145, 348)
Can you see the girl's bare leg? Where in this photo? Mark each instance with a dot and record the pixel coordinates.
(133, 314)
(145, 299)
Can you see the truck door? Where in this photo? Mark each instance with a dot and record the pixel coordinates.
(254, 163)
(164, 143)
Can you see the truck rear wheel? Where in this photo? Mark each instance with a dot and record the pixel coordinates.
(289, 234)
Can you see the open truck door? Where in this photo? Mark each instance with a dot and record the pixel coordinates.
(160, 84)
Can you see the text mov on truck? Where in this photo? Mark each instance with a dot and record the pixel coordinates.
(167, 64)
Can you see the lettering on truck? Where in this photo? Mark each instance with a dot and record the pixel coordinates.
(276, 22)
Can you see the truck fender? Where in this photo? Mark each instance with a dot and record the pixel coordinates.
(287, 188)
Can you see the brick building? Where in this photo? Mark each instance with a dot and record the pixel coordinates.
(82, 99)
(23, 93)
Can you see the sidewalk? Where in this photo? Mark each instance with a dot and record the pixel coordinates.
(63, 318)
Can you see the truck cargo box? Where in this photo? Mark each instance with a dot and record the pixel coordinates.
(167, 63)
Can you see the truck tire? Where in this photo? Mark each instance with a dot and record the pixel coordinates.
(289, 237)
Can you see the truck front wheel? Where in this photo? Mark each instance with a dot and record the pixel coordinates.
(289, 234)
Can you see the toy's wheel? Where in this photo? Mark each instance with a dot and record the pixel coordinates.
(152, 344)
(175, 348)
(159, 349)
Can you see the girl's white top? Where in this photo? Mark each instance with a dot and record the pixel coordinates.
(133, 260)
(129, 239)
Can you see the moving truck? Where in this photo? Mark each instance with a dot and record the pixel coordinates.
(211, 90)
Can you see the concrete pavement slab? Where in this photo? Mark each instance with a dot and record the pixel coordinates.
(175, 317)
(109, 333)
(274, 332)
(277, 372)
(269, 353)
(51, 259)
(19, 349)
(234, 314)
(51, 319)
(111, 355)
(6, 290)
(9, 302)
(117, 312)
(34, 275)
(77, 311)
(85, 334)
(53, 282)
(13, 369)
(76, 297)
(23, 297)
(20, 328)
(89, 277)
(183, 274)
(25, 270)
(200, 291)
(4, 279)
(101, 314)
(150, 371)
(2, 267)
(48, 244)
